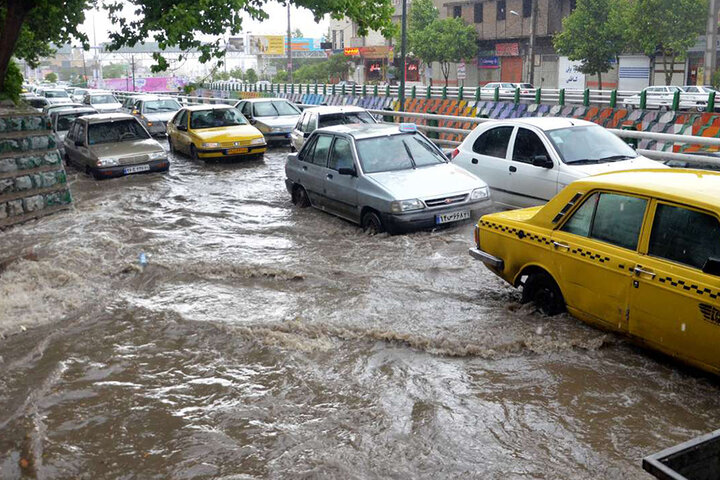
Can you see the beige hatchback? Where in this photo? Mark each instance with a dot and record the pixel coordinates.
(110, 145)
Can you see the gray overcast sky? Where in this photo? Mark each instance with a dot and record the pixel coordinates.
(97, 23)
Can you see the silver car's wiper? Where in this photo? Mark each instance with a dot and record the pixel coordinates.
(412, 159)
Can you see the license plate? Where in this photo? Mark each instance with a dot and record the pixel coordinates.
(235, 151)
(452, 217)
(136, 169)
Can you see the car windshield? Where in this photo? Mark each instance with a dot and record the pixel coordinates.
(397, 152)
(225, 117)
(99, 99)
(65, 120)
(274, 109)
(120, 131)
(343, 118)
(168, 105)
(589, 144)
(56, 94)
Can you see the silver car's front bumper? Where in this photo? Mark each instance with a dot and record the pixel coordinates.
(487, 259)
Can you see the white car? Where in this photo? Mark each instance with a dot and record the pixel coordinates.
(506, 88)
(326, 116)
(56, 95)
(697, 96)
(103, 102)
(527, 161)
(274, 117)
(659, 98)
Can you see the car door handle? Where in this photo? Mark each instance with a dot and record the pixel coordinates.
(560, 245)
(304, 167)
(639, 270)
(513, 169)
(329, 176)
(474, 161)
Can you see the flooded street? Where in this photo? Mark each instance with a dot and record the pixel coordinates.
(266, 341)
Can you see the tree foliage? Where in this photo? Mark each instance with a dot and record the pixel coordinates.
(594, 35)
(281, 76)
(666, 27)
(51, 77)
(251, 75)
(237, 73)
(115, 70)
(335, 67)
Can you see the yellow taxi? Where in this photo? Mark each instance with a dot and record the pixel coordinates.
(214, 132)
(637, 252)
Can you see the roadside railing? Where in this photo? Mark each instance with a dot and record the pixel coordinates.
(433, 127)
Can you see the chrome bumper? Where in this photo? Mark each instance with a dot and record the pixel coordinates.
(487, 259)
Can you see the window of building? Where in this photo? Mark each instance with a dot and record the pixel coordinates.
(527, 8)
(501, 10)
(457, 11)
(478, 12)
(684, 236)
(494, 142)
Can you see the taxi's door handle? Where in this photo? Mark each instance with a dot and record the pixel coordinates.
(639, 270)
(304, 167)
(561, 245)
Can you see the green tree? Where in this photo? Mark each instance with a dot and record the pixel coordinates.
(251, 75)
(445, 41)
(115, 70)
(593, 35)
(29, 26)
(297, 33)
(51, 77)
(237, 73)
(281, 76)
(219, 75)
(668, 28)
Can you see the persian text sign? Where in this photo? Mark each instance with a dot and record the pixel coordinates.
(507, 49)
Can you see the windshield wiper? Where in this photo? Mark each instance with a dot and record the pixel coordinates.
(613, 158)
(412, 159)
(584, 160)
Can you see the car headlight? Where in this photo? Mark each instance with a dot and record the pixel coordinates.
(210, 145)
(480, 193)
(277, 129)
(107, 162)
(156, 155)
(399, 206)
(257, 141)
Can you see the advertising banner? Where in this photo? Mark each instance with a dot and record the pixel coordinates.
(266, 44)
(507, 49)
(305, 44)
(568, 74)
(149, 84)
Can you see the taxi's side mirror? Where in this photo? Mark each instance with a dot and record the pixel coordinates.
(135, 112)
(712, 266)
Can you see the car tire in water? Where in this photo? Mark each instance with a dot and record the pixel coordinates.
(300, 197)
(193, 153)
(371, 223)
(541, 289)
(171, 147)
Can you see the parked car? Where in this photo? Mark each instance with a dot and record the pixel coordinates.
(128, 102)
(79, 94)
(695, 97)
(383, 177)
(526, 161)
(55, 95)
(62, 119)
(112, 145)
(320, 117)
(103, 102)
(657, 97)
(635, 252)
(699, 164)
(525, 88)
(214, 132)
(505, 88)
(274, 117)
(155, 111)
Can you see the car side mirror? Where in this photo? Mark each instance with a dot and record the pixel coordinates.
(542, 161)
(182, 128)
(293, 156)
(712, 266)
(348, 171)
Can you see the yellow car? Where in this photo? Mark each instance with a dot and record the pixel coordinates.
(637, 252)
(214, 132)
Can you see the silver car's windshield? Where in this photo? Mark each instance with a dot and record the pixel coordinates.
(102, 99)
(274, 109)
(397, 152)
(121, 131)
(343, 118)
(226, 117)
(155, 106)
(589, 144)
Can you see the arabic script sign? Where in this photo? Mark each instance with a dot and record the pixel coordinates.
(568, 74)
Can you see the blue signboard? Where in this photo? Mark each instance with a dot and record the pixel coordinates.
(488, 62)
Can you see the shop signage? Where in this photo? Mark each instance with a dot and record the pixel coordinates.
(507, 49)
(488, 62)
(352, 51)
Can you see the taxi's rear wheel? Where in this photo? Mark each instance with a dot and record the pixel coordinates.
(541, 289)
(371, 224)
(300, 197)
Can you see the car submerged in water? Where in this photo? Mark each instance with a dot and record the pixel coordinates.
(387, 178)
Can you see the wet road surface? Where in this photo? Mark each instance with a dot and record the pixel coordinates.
(265, 341)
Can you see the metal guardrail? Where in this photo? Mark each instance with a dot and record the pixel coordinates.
(659, 155)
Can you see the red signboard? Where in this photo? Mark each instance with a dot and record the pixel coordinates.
(507, 49)
(352, 51)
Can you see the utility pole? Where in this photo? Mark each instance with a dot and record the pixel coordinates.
(711, 42)
(403, 45)
(531, 53)
(289, 48)
(132, 63)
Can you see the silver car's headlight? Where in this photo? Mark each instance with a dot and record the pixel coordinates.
(277, 129)
(156, 155)
(400, 206)
(107, 162)
(480, 193)
(210, 145)
(257, 141)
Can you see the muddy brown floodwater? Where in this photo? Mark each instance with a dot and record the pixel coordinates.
(264, 341)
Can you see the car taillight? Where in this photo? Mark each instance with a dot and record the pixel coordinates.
(477, 236)
(454, 153)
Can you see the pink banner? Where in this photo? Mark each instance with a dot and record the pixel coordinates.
(149, 84)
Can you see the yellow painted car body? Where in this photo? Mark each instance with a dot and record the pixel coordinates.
(634, 252)
(208, 142)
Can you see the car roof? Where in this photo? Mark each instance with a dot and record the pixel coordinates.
(549, 123)
(107, 117)
(253, 100)
(329, 109)
(72, 109)
(208, 106)
(363, 130)
(701, 187)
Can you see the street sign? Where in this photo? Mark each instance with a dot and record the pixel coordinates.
(461, 71)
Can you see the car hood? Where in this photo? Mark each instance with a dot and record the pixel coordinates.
(427, 182)
(59, 100)
(123, 149)
(160, 116)
(227, 134)
(287, 121)
(634, 164)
